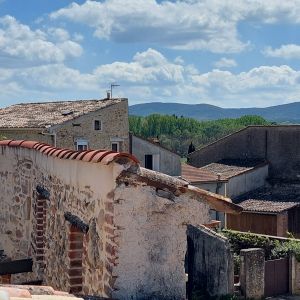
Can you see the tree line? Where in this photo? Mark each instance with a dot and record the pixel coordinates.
(177, 133)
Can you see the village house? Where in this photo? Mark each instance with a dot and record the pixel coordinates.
(152, 155)
(77, 125)
(261, 163)
(96, 223)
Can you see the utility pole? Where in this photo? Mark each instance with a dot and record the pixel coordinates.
(112, 85)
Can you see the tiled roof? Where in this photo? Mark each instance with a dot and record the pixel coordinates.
(252, 205)
(95, 156)
(230, 168)
(43, 114)
(194, 175)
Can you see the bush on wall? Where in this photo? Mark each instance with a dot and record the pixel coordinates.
(274, 248)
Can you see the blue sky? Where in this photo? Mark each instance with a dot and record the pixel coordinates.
(234, 53)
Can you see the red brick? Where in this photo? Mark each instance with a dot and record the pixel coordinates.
(109, 219)
(76, 281)
(110, 249)
(75, 263)
(109, 206)
(75, 272)
(76, 237)
(76, 245)
(75, 254)
(109, 230)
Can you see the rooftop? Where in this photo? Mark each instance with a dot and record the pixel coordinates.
(252, 205)
(197, 175)
(228, 168)
(282, 192)
(44, 114)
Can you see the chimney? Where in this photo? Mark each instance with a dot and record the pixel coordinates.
(108, 94)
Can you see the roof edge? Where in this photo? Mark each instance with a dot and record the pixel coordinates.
(94, 156)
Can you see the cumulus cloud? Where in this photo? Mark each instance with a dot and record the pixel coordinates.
(186, 24)
(290, 51)
(151, 76)
(19, 42)
(225, 63)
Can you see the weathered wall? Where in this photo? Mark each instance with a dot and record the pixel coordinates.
(280, 145)
(169, 163)
(247, 181)
(153, 242)
(77, 187)
(212, 271)
(136, 242)
(114, 125)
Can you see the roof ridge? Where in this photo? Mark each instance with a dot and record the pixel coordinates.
(94, 156)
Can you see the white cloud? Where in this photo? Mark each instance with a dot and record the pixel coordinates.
(225, 63)
(151, 76)
(290, 51)
(186, 24)
(19, 42)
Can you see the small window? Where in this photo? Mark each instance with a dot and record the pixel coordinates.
(81, 145)
(149, 161)
(97, 125)
(115, 146)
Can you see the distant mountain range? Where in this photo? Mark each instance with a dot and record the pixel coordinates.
(289, 113)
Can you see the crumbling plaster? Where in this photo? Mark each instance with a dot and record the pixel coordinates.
(153, 242)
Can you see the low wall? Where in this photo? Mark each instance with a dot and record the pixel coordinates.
(212, 271)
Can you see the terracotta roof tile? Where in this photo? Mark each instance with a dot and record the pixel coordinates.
(194, 175)
(94, 156)
(44, 114)
(230, 168)
(252, 205)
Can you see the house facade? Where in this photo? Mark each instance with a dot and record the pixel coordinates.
(96, 223)
(154, 156)
(77, 125)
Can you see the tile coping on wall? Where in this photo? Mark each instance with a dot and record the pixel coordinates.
(95, 156)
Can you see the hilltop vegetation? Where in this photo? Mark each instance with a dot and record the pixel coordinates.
(176, 133)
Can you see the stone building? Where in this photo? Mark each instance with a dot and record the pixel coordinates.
(276, 144)
(154, 156)
(78, 125)
(96, 223)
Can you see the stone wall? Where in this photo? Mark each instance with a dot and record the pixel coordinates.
(114, 120)
(115, 124)
(252, 273)
(279, 145)
(212, 270)
(89, 229)
(74, 186)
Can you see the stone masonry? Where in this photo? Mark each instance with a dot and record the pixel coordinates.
(96, 223)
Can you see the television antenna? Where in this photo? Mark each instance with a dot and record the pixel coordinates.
(112, 85)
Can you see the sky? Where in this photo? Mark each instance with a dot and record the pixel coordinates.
(229, 53)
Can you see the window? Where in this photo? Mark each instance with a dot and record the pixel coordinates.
(115, 146)
(152, 162)
(81, 145)
(97, 125)
(149, 161)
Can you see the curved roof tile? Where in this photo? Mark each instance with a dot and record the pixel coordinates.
(95, 156)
